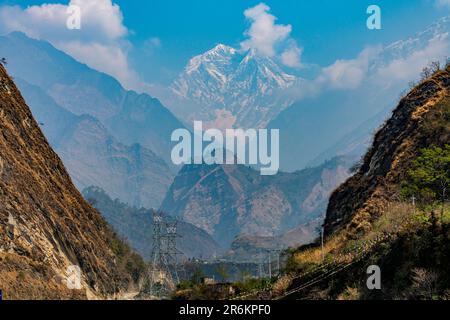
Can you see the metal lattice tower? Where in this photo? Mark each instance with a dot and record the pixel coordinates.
(171, 251)
(277, 253)
(163, 273)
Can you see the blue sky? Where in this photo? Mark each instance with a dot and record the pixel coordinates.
(321, 27)
(162, 35)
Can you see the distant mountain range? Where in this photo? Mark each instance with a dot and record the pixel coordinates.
(321, 127)
(109, 137)
(227, 88)
(132, 117)
(232, 200)
(354, 143)
(95, 158)
(119, 140)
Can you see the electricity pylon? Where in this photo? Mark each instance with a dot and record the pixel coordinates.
(163, 274)
(171, 251)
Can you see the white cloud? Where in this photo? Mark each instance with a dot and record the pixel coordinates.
(378, 67)
(408, 68)
(265, 36)
(443, 3)
(154, 42)
(291, 56)
(109, 59)
(348, 74)
(101, 20)
(151, 45)
(100, 43)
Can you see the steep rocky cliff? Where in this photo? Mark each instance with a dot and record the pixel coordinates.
(391, 214)
(45, 225)
(420, 120)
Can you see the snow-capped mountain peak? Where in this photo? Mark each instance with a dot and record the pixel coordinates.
(221, 49)
(437, 34)
(240, 84)
(219, 55)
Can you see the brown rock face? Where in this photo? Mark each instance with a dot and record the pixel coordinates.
(420, 120)
(231, 200)
(45, 225)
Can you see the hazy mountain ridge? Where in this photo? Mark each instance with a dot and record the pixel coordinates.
(228, 201)
(104, 145)
(323, 125)
(132, 117)
(354, 143)
(132, 173)
(94, 157)
(135, 226)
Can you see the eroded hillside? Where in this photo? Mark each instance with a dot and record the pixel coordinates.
(419, 121)
(45, 225)
(393, 213)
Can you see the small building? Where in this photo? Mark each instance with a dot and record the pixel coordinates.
(208, 281)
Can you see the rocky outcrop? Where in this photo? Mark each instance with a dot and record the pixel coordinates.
(419, 121)
(45, 225)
